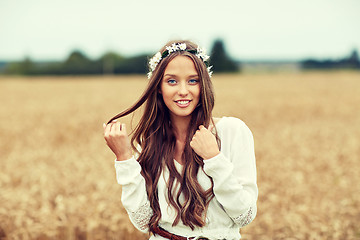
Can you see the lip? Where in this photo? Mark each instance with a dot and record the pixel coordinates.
(183, 103)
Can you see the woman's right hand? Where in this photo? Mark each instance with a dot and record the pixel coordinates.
(117, 139)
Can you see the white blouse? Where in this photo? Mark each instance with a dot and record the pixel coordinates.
(233, 172)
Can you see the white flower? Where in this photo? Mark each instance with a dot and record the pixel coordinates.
(201, 53)
(182, 46)
(172, 48)
(169, 48)
(176, 47)
(209, 70)
(205, 57)
(149, 75)
(158, 56)
(154, 61)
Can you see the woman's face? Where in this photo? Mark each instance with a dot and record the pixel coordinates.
(180, 87)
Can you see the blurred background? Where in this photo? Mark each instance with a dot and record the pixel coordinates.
(288, 69)
(90, 37)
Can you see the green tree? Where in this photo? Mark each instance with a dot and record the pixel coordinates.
(353, 61)
(136, 64)
(25, 67)
(220, 60)
(109, 62)
(78, 63)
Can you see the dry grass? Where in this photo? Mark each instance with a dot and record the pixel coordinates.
(57, 179)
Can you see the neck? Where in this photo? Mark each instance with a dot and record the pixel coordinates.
(180, 126)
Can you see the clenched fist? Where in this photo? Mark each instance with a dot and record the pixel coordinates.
(204, 143)
(117, 139)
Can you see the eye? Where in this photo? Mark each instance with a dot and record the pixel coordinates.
(171, 81)
(193, 81)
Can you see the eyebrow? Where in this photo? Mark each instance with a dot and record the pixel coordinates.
(195, 75)
(174, 75)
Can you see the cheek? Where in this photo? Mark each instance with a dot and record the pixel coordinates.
(197, 92)
(165, 93)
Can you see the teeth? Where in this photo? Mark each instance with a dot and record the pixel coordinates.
(183, 102)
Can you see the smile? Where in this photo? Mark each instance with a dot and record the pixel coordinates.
(183, 103)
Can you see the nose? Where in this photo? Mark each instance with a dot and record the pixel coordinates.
(183, 89)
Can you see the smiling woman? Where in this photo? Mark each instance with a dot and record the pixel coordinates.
(180, 88)
(192, 175)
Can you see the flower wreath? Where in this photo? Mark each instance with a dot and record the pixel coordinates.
(199, 52)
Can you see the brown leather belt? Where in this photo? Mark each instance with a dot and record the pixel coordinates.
(163, 233)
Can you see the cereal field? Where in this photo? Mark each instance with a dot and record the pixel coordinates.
(57, 179)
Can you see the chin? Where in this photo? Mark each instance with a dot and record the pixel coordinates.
(183, 114)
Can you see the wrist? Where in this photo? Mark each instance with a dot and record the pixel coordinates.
(123, 157)
(214, 154)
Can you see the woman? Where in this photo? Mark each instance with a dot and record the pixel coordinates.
(192, 176)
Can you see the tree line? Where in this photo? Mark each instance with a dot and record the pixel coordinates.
(77, 63)
(350, 62)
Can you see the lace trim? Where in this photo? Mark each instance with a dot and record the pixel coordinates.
(246, 218)
(141, 217)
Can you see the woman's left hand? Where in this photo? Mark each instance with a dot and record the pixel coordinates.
(204, 143)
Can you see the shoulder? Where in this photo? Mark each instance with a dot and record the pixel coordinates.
(230, 122)
(232, 126)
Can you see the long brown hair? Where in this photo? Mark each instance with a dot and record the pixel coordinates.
(155, 136)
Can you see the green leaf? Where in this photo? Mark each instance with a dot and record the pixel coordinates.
(165, 54)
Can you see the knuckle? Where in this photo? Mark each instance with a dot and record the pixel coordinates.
(114, 135)
(118, 135)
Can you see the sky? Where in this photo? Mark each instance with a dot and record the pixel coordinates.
(252, 30)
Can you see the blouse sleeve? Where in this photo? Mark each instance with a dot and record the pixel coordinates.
(134, 197)
(234, 175)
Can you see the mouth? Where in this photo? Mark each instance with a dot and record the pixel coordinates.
(183, 103)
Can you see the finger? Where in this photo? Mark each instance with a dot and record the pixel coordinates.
(104, 126)
(114, 126)
(192, 144)
(201, 127)
(123, 128)
(108, 125)
(107, 130)
(117, 127)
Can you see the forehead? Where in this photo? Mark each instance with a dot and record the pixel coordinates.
(181, 64)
